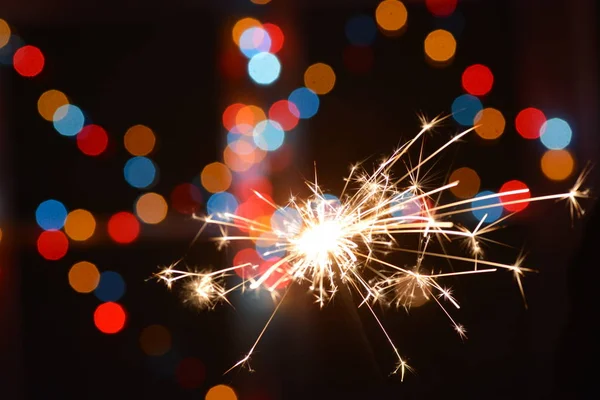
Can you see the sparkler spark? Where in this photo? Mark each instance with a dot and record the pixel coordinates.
(328, 243)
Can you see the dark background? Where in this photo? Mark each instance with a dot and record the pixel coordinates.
(136, 62)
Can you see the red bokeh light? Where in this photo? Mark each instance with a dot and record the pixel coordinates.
(358, 59)
(186, 198)
(110, 318)
(123, 227)
(52, 245)
(233, 64)
(441, 8)
(247, 256)
(276, 35)
(92, 140)
(246, 187)
(230, 115)
(510, 186)
(275, 275)
(28, 61)
(190, 373)
(529, 122)
(285, 113)
(477, 80)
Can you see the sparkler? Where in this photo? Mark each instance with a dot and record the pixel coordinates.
(328, 243)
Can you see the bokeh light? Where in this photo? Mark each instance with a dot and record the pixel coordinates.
(441, 8)
(139, 140)
(361, 30)
(155, 340)
(440, 46)
(8, 50)
(68, 120)
(477, 80)
(358, 60)
(278, 279)
(306, 101)
(51, 215)
(221, 392)
(186, 198)
(261, 2)
(110, 318)
(123, 227)
(491, 214)
(557, 165)
(490, 123)
(285, 113)
(255, 40)
(468, 183)
(245, 188)
(52, 245)
(246, 118)
(4, 33)
(555, 134)
(111, 286)
(268, 135)
(241, 26)
(84, 277)
(49, 102)
(139, 172)
(221, 203)
(320, 78)
(28, 61)
(252, 260)
(529, 122)
(241, 159)
(216, 177)
(230, 115)
(92, 140)
(510, 186)
(151, 208)
(465, 109)
(276, 35)
(190, 373)
(80, 225)
(264, 68)
(391, 15)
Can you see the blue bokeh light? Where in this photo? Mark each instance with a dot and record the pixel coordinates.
(267, 249)
(556, 134)
(268, 135)
(68, 120)
(465, 108)
(306, 101)
(255, 40)
(403, 207)
(220, 203)
(111, 286)
(51, 215)
(264, 68)
(286, 220)
(361, 30)
(7, 52)
(139, 172)
(493, 213)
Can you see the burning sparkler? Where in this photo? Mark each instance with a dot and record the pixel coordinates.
(329, 243)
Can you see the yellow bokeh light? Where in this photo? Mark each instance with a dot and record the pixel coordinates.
(4, 33)
(320, 78)
(468, 183)
(490, 123)
(80, 225)
(151, 208)
(139, 140)
(391, 15)
(557, 165)
(220, 392)
(49, 102)
(84, 277)
(261, 2)
(155, 340)
(440, 46)
(216, 177)
(241, 26)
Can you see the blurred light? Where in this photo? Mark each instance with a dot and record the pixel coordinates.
(190, 373)
(28, 61)
(51, 215)
(490, 123)
(7, 51)
(361, 30)
(268, 135)
(285, 113)
(151, 208)
(220, 392)
(252, 260)
(280, 278)
(139, 172)
(186, 198)
(391, 15)
(440, 46)
(468, 183)
(92, 140)
(155, 340)
(221, 203)
(230, 115)
(123, 227)
(240, 144)
(111, 286)
(493, 213)
(232, 64)
(68, 120)
(238, 161)
(49, 102)
(80, 225)
(557, 164)
(84, 277)
(555, 134)
(465, 108)
(247, 185)
(241, 26)
(281, 159)
(319, 78)
(267, 248)
(529, 122)
(358, 60)
(139, 140)
(4, 33)
(246, 118)
(255, 40)
(276, 35)
(110, 318)
(403, 206)
(306, 101)
(216, 177)
(286, 220)
(441, 8)
(261, 2)
(510, 186)
(477, 80)
(52, 245)
(264, 68)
